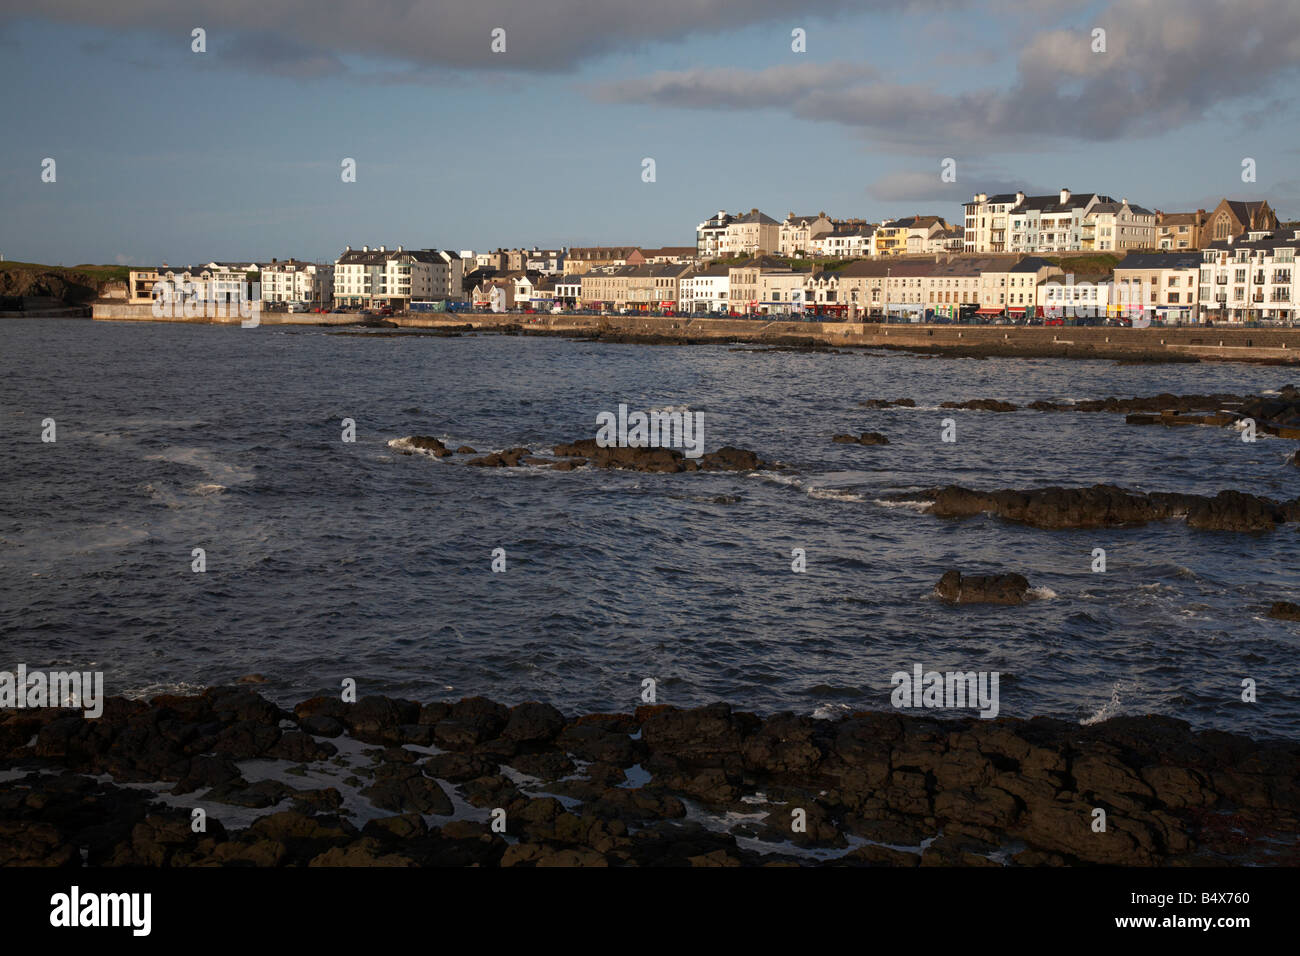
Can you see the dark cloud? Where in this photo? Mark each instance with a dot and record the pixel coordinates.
(541, 35)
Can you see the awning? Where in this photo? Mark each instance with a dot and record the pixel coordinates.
(1016, 308)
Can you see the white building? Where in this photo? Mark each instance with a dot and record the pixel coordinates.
(709, 235)
(369, 277)
(293, 281)
(797, 233)
(1075, 297)
(706, 290)
(843, 242)
(1252, 279)
(782, 293)
(1014, 222)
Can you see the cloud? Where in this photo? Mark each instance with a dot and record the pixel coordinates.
(1167, 64)
(732, 88)
(549, 36)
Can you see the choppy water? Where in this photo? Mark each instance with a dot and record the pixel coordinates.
(328, 560)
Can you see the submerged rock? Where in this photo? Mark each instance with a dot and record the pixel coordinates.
(957, 588)
(1285, 611)
(866, 438)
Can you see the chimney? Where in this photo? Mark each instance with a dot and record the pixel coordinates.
(347, 248)
(1020, 197)
(1065, 195)
(382, 249)
(365, 248)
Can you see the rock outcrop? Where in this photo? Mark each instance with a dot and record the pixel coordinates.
(908, 790)
(1106, 506)
(957, 588)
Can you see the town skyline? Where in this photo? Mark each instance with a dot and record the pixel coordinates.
(168, 153)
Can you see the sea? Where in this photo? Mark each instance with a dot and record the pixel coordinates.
(178, 447)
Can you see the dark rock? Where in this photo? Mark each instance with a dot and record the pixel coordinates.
(1285, 611)
(866, 438)
(956, 588)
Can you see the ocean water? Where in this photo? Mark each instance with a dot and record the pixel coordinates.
(328, 560)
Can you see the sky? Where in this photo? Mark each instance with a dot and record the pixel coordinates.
(162, 153)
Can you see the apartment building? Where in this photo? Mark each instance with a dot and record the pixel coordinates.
(1179, 231)
(745, 285)
(796, 233)
(1009, 285)
(1118, 227)
(709, 235)
(752, 234)
(782, 292)
(1076, 296)
(290, 280)
(912, 236)
(568, 291)
(1252, 279)
(1014, 222)
(607, 288)
(652, 287)
(547, 262)
(397, 277)
(705, 290)
(583, 259)
(180, 286)
(1165, 285)
(844, 242)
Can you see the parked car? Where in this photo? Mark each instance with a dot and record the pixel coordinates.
(386, 310)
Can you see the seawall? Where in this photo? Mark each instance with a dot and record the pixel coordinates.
(1222, 343)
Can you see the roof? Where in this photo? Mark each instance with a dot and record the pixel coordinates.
(1183, 218)
(756, 216)
(1031, 264)
(1160, 260)
(762, 262)
(601, 252)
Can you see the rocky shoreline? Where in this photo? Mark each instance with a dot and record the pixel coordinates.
(391, 782)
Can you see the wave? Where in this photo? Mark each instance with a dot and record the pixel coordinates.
(1107, 710)
(834, 494)
(920, 507)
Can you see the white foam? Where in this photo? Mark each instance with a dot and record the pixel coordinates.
(1107, 710)
(920, 507)
(834, 494)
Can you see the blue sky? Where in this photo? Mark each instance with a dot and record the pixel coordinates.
(167, 154)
